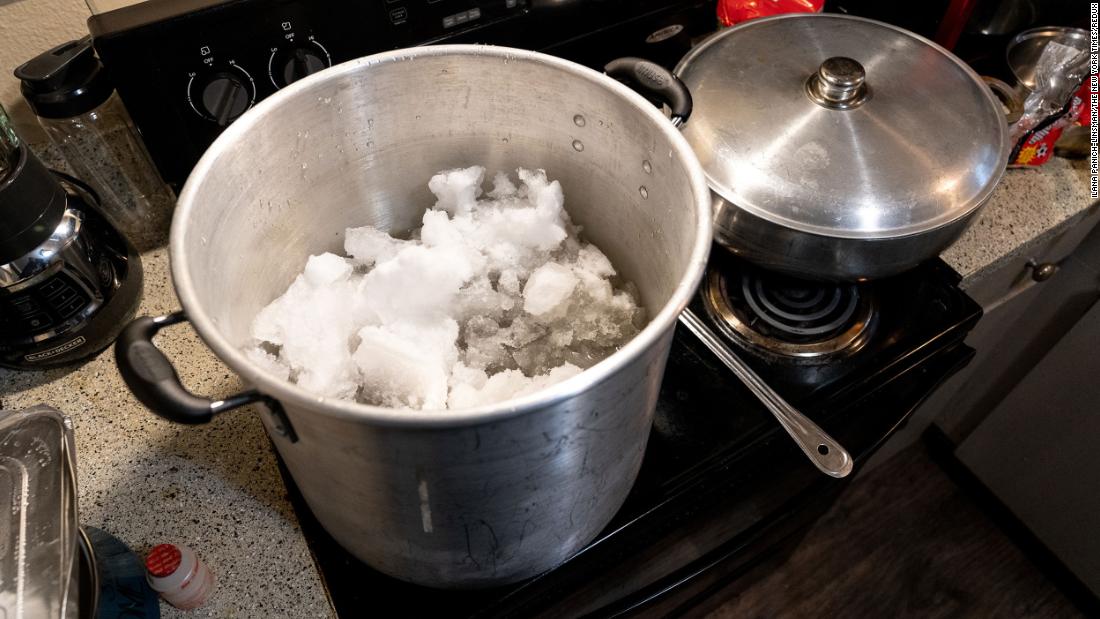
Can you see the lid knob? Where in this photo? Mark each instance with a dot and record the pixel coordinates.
(838, 84)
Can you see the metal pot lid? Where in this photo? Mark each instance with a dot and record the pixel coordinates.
(842, 126)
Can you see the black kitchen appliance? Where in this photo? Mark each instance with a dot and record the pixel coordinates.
(187, 68)
(723, 491)
(68, 281)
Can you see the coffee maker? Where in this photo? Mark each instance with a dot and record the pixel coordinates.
(69, 281)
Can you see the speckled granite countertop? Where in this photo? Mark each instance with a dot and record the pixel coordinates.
(1028, 207)
(217, 488)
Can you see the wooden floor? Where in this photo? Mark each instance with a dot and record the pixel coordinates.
(903, 541)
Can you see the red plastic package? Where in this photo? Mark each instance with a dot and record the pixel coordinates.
(1036, 147)
(732, 12)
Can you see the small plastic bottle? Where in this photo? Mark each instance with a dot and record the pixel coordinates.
(177, 574)
(68, 89)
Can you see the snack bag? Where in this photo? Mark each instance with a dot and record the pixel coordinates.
(732, 12)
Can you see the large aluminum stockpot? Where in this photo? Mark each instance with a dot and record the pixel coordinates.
(462, 498)
(838, 147)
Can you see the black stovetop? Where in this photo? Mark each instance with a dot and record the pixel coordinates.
(721, 485)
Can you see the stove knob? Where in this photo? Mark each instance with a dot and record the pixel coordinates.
(225, 97)
(298, 63)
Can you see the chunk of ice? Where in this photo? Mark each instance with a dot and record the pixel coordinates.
(507, 385)
(405, 365)
(491, 299)
(326, 269)
(456, 191)
(548, 287)
(367, 245)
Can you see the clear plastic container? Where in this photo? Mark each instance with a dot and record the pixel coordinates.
(103, 150)
(39, 525)
(77, 107)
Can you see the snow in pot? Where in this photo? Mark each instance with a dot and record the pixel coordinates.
(494, 297)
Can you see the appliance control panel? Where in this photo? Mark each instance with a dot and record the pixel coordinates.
(186, 69)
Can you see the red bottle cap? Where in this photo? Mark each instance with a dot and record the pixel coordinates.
(163, 560)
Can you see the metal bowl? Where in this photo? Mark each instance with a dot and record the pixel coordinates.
(1025, 49)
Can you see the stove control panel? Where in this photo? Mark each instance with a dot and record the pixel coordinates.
(187, 69)
(291, 63)
(221, 95)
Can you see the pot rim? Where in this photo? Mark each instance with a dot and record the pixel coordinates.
(291, 394)
(978, 200)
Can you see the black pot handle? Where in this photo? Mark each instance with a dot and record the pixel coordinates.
(154, 381)
(655, 80)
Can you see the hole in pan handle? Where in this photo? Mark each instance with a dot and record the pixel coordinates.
(651, 79)
(156, 384)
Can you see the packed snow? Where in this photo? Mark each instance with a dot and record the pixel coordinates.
(495, 296)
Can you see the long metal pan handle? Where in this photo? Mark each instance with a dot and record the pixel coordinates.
(826, 454)
(156, 384)
(656, 81)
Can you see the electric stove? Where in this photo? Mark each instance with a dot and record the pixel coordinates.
(723, 490)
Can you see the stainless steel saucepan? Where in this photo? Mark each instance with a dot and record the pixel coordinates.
(838, 147)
